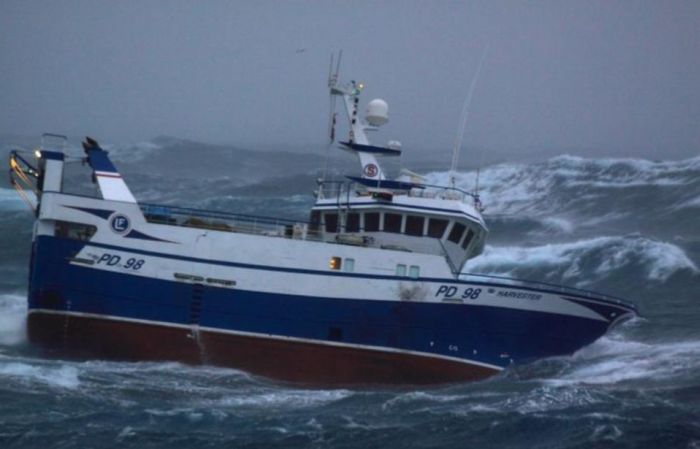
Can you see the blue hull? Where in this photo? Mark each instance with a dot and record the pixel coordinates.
(479, 337)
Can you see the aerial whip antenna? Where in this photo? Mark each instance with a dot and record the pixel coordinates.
(463, 119)
(332, 80)
(477, 199)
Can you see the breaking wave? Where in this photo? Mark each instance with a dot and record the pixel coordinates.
(585, 262)
(615, 360)
(37, 373)
(13, 308)
(590, 193)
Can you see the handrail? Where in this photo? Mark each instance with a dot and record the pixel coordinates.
(348, 184)
(557, 287)
(155, 208)
(229, 222)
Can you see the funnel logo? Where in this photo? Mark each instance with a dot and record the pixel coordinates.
(119, 223)
(370, 170)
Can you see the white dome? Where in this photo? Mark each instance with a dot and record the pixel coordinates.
(394, 145)
(377, 112)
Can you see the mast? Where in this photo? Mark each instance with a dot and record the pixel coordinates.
(358, 142)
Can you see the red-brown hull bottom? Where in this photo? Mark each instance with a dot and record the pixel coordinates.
(280, 359)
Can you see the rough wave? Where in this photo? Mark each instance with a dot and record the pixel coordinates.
(32, 373)
(590, 192)
(587, 261)
(13, 309)
(614, 360)
(10, 200)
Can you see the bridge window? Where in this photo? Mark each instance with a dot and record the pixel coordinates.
(392, 222)
(352, 222)
(372, 221)
(331, 222)
(456, 233)
(467, 239)
(349, 265)
(414, 271)
(436, 227)
(414, 225)
(315, 221)
(401, 270)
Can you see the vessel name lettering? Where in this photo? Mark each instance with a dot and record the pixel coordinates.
(519, 295)
(112, 260)
(450, 291)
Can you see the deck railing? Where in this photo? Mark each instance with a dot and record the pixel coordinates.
(342, 189)
(228, 222)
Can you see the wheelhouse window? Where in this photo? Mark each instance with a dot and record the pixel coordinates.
(401, 270)
(456, 233)
(331, 222)
(315, 221)
(436, 227)
(414, 271)
(372, 221)
(414, 225)
(392, 222)
(468, 239)
(352, 222)
(75, 231)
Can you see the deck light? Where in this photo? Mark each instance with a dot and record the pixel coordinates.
(334, 263)
(37, 153)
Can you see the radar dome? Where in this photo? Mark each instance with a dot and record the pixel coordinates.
(394, 145)
(377, 112)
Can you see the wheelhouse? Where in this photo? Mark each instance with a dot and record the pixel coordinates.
(414, 218)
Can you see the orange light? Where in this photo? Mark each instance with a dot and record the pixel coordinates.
(334, 263)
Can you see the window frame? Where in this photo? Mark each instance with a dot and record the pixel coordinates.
(378, 222)
(325, 222)
(456, 238)
(415, 227)
(445, 225)
(392, 216)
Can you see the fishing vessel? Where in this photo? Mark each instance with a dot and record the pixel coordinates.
(371, 290)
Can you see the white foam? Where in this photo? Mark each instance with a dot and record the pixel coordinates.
(558, 224)
(613, 360)
(64, 376)
(287, 398)
(532, 188)
(547, 398)
(13, 311)
(601, 256)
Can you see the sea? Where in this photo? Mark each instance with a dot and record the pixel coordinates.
(627, 227)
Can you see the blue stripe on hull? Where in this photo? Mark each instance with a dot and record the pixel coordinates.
(490, 335)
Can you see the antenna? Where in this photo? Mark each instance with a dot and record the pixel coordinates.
(477, 200)
(337, 68)
(463, 118)
(332, 81)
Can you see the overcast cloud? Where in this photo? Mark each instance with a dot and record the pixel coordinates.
(607, 77)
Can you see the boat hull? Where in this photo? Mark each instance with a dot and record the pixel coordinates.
(70, 335)
(82, 310)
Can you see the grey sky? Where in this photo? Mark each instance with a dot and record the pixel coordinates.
(607, 77)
